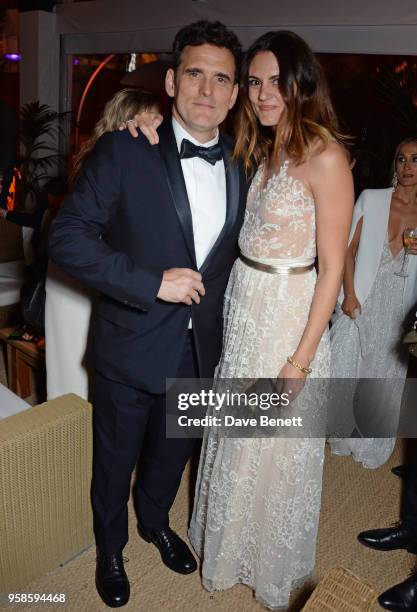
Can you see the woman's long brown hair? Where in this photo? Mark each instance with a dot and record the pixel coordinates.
(308, 122)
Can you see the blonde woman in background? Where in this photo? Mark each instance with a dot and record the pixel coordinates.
(68, 302)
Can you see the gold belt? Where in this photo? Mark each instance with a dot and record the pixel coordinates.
(275, 269)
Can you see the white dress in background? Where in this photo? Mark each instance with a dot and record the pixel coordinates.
(257, 501)
(67, 323)
(369, 348)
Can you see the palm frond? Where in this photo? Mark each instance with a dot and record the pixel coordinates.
(394, 90)
(40, 127)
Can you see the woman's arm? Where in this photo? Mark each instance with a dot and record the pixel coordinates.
(332, 187)
(351, 302)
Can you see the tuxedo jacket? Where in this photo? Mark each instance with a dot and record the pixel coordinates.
(127, 221)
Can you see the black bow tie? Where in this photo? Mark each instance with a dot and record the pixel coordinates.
(209, 154)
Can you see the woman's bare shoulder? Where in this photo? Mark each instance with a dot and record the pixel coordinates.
(329, 156)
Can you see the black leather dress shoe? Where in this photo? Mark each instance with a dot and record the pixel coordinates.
(111, 580)
(391, 538)
(174, 552)
(402, 596)
(402, 471)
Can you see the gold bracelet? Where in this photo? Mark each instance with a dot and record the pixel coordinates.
(298, 366)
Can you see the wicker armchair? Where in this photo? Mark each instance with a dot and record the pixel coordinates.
(45, 473)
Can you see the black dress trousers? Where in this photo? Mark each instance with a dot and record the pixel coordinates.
(129, 426)
(409, 514)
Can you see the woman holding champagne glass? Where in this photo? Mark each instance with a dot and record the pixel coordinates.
(379, 292)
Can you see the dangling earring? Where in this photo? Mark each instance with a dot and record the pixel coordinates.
(394, 181)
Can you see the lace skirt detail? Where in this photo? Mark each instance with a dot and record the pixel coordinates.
(257, 500)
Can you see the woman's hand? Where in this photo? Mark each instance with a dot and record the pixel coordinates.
(291, 381)
(147, 122)
(351, 306)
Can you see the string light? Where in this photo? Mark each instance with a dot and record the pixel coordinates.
(132, 63)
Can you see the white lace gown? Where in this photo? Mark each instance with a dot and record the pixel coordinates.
(257, 500)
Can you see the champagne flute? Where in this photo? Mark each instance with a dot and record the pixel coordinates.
(409, 235)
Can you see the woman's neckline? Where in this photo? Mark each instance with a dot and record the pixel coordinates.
(264, 184)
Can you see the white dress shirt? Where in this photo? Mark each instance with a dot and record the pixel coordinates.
(206, 190)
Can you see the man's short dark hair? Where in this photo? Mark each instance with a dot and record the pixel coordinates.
(210, 33)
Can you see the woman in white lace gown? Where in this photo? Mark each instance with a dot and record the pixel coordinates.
(257, 500)
(368, 326)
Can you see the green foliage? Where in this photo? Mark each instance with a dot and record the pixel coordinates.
(39, 158)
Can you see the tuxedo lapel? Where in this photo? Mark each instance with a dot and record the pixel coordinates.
(175, 178)
(232, 198)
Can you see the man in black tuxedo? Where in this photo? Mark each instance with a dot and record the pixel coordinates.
(154, 229)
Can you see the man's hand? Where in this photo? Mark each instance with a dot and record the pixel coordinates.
(147, 122)
(351, 306)
(181, 285)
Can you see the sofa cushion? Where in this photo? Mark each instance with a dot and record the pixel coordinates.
(12, 277)
(10, 403)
